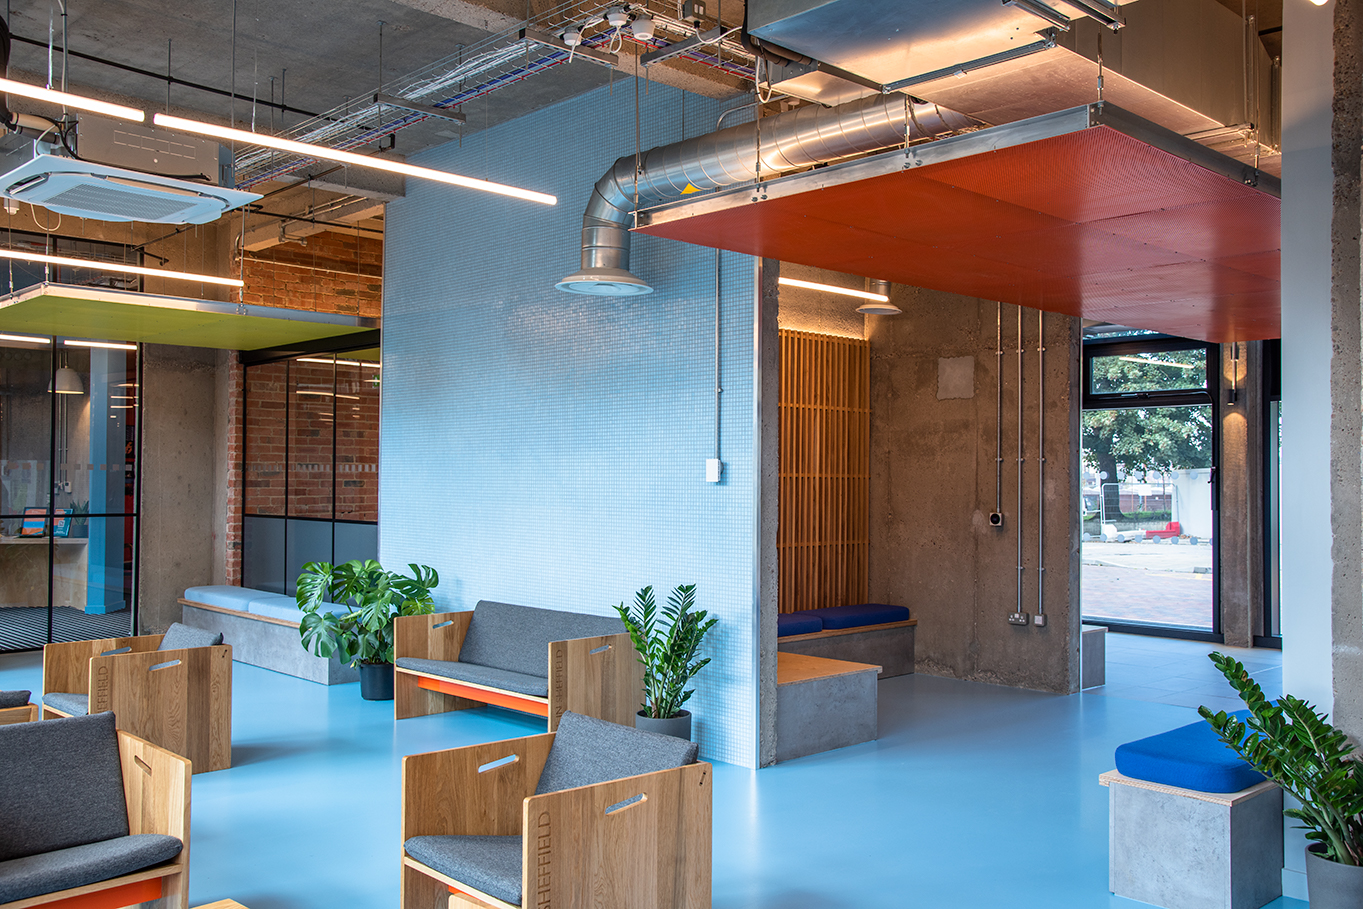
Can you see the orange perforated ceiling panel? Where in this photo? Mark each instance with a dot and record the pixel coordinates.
(1094, 223)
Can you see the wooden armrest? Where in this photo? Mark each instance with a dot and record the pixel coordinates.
(417, 635)
(654, 851)
(25, 714)
(156, 787)
(445, 794)
(598, 677)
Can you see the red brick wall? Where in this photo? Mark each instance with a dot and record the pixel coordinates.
(264, 444)
(317, 274)
(357, 443)
(235, 457)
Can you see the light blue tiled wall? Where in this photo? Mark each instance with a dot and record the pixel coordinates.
(546, 448)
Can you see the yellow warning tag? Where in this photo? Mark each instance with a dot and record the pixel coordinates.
(690, 189)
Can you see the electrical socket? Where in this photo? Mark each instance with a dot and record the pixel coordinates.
(996, 519)
(1039, 621)
(1018, 618)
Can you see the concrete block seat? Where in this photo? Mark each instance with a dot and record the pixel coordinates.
(94, 816)
(1190, 825)
(539, 661)
(263, 629)
(822, 704)
(877, 633)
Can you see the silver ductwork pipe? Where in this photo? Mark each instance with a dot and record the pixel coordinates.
(739, 154)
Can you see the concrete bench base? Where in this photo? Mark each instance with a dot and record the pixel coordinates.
(823, 704)
(267, 642)
(888, 646)
(1183, 849)
(1092, 656)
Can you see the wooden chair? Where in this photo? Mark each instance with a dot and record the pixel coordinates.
(454, 660)
(16, 708)
(47, 807)
(571, 809)
(179, 698)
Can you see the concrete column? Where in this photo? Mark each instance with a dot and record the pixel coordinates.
(179, 463)
(1240, 542)
(768, 439)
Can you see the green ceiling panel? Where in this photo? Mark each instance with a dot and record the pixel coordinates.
(115, 315)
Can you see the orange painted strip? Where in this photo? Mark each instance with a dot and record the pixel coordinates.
(114, 897)
(495, 698)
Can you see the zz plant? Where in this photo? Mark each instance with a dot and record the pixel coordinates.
(374, 595)
(668, 642)
(1292, 744)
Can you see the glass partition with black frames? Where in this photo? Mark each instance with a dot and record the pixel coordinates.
(311, 447)
(68, 489)
(1149, 499)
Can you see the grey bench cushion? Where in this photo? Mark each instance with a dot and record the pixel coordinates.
(588, 751)
(517, 638)
(480, 675)
(491, 864)
(77, 866)
(63, 785)
(68, 702)
(182, 637)
(14, 698)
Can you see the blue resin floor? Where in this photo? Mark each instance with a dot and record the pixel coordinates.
(974, 796)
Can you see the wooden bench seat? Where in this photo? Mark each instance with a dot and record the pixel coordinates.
(888, 645)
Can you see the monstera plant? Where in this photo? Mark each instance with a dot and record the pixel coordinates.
(361, 631)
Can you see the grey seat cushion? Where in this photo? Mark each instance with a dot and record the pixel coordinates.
(68, 702)
(588, 751)
(63, 785)
(517, 638)
(14, 698)
(77, 866)
(182, 637)
(521, 683)
(491, 864)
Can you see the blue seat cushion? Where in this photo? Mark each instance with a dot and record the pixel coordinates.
(480, 675)
(587, 751)
(182, 637)
(855, 616)
(223, 596)
(62, 785)
(788, 623)
(517, 638)
(491, 864)
(1189, 757)
(14, 698)
(76, 866)
(68, 702)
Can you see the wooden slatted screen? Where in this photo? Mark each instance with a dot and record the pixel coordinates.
(825, 410)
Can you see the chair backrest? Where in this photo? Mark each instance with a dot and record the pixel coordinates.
(587, 751)
(517, 638)
(182, 637)
(61, 785)
(14, 698)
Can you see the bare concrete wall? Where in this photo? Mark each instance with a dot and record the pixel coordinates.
(934, 387)
(819, 311)
(179, 466)
(769, 464)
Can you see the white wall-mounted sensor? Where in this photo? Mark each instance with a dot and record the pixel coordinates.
(714, 468)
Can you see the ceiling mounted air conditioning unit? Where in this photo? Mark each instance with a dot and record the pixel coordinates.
(127, 173)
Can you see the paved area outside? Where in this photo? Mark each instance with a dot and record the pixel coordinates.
(1151, 583)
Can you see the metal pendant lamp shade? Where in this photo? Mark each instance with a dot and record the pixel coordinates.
(67, 382)
(877, 307)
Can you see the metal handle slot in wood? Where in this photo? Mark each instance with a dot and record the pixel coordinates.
(626, 804)
(166, 665)
(602, 649)
(116, 651)
(142, 765)
(442, 624)
(500, 762)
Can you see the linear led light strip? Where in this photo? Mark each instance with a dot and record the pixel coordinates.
(845, 291)
(339, 362)
(115, 266)
(288, 145)
(26, 339)
(103, 345)
(345, 157)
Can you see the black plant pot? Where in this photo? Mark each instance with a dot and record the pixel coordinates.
(1330, 884)
(376, 681)
(678, 726)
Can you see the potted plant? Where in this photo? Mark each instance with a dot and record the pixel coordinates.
(80, 517)
(364, 635)
(1292, 744)
(668, 646)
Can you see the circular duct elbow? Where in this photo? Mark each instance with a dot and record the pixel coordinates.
(604, 282)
